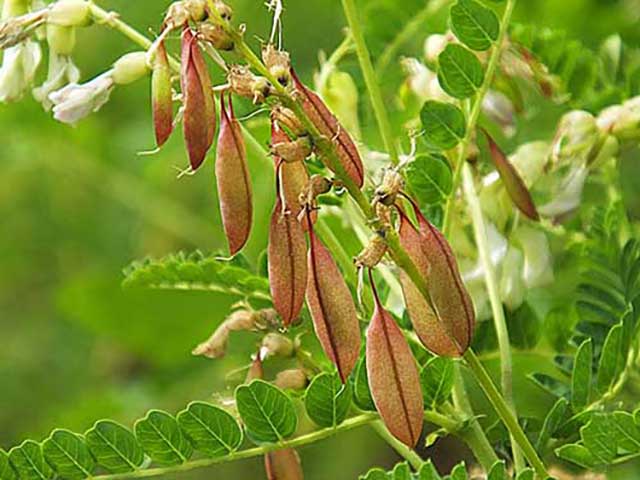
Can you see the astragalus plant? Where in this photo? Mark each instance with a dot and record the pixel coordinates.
(465, 246)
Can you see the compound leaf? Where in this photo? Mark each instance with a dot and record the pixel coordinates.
(114, 447)
(68, 454)
(162, 439)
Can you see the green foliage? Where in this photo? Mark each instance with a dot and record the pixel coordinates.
(402, 471)
(6, 470)
(552, 422)
(581, 378)
(460, 72)
(161, 438)
(361, 393)
(68, 455)
(437, 377)
(114, 447)
(474, 24)
(211, 430)
(196, 271)
(267, 412)
(28, 460)
(498, 471)
(327, 400)
(430, 178)
(444, 124)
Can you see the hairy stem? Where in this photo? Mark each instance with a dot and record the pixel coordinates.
(504, 412)
(463, 148)
(401, 449)
(371, 80)
(499, 321)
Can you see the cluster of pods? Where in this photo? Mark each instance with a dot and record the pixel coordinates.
(300, 265)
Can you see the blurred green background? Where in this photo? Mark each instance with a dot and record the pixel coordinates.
(78, 204)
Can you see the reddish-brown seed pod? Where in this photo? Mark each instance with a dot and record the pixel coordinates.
(199, 106)
(287, 263)
(448, 292)
(328, 125)
(332, 309)
(232, 177)
(430, 329)
(393, 376)
(512, 180)
(283, 465)
(161, 96)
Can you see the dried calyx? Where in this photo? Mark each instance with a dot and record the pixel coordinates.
(244, 83)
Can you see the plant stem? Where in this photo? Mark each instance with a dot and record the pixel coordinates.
(504, 412)
(411, 29)
(401, 449)
(371, 80)
(494, 60)
(502, 333)
(111, 20)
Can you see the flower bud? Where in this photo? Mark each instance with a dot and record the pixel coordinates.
(622, 121)
(61, 40)
(279, 64)
(70, 13)
(14, 8)
(19, 67)
(130, 67)
(75, 102)
(576, 136)
(435, 44)
(216, 36)
(293, 379)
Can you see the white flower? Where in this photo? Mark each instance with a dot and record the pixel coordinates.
(19, 66)
(62, 71)
(76, 101)
(500, 109)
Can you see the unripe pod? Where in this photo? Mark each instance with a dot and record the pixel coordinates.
(233, 180)
(162, 96)
(70, 13)
(130, 67)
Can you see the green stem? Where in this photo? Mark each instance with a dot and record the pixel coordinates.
(371, 80)
(472, 434)
(401, 449)
(499, 321)
(111, 20)
(504, 412)
(410, 30)
(494, 61)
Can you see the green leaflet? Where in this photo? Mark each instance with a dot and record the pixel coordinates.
(28, 461)
(611, 361)
(526, 474)
(577, 454)
(460, 73)
(68, 454)
(327, 400)
(196, 271)
(114, 447)
(551, 423)
(430, 178)
(428, 472)
(267, 412)
(437, 378)
(581, 378)
(401, 471)
(6, 470)
(361, 393)
(474, 24)
(459, 472)
(498, 471)
(375, 474)
(162, 439)
(444, 124)
(627, 432)
(212, 430)
(600, 438)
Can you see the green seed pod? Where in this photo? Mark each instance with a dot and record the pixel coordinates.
(130, 68)
(61, 40)
(70, 13)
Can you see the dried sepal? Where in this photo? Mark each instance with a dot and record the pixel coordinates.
(162, 96)
(278, 62)
(373, 253)
(317, 185)
(233, 180)
(332, 309)
(329, 126)
(256, 369)
(244, 83)
(287, 120)
(391, 185)
(276, 345)
(292, 151)
(199, 107)
(393, 376)
(512, 180)
(283, 465)
(292, 379)
(216, 36)
(287, 263)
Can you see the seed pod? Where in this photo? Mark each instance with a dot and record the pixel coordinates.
(162, 96)
(292, 379)
(283, 465)
(199, 106)
(287, 263)
(512, 180)
(332, 309)
(328, 125)
(234, 183)
(393, 377)
(454, 308)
